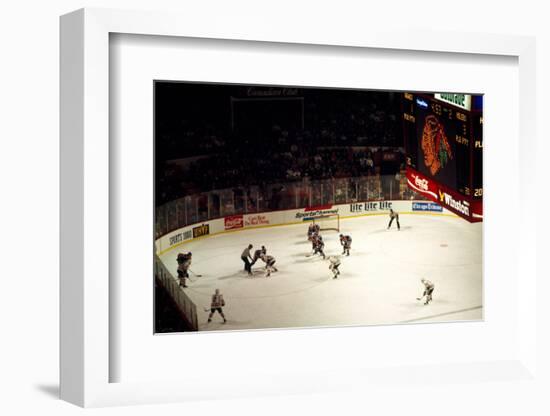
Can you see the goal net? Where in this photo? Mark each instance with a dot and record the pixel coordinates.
(328, 222)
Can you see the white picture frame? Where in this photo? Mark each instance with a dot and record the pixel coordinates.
(85, 210)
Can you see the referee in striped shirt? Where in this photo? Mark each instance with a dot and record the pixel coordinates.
(394, 216)
(245, 258)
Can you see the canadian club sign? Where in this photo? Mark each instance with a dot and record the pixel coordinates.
(465, 207)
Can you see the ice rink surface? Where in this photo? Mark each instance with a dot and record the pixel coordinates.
(379, 281)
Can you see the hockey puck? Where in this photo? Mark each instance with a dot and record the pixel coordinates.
(444, 245)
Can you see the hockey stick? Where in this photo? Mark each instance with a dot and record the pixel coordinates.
(191, 280)
(197, 275)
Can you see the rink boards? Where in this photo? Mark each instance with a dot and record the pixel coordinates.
(242, 222)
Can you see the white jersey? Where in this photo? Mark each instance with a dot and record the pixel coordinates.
(217, 301)
(335, 261)
(268, 259)
(428, 284)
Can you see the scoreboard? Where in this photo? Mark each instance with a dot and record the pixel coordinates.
(477, 132)
(444, 151)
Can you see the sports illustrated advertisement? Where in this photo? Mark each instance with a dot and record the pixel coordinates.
(299, 207)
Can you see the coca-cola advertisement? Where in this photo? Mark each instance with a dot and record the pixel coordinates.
(233, 222)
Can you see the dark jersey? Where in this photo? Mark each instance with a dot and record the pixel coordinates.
(183, 258)
(313, 230)
(345, 240)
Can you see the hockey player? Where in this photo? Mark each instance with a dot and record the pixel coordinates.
(269, 264)
(345, 240)
(312, 231)
(318, 246)
(333, 266)
(394, 216)
(184, 262)
(258, 254)
(313, 238)
(216, 305)
(428, 290)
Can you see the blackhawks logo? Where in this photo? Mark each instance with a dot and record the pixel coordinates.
(435, 145)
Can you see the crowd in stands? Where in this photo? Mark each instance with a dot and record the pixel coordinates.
(245, 168)
(335, 120)
(338, 140)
